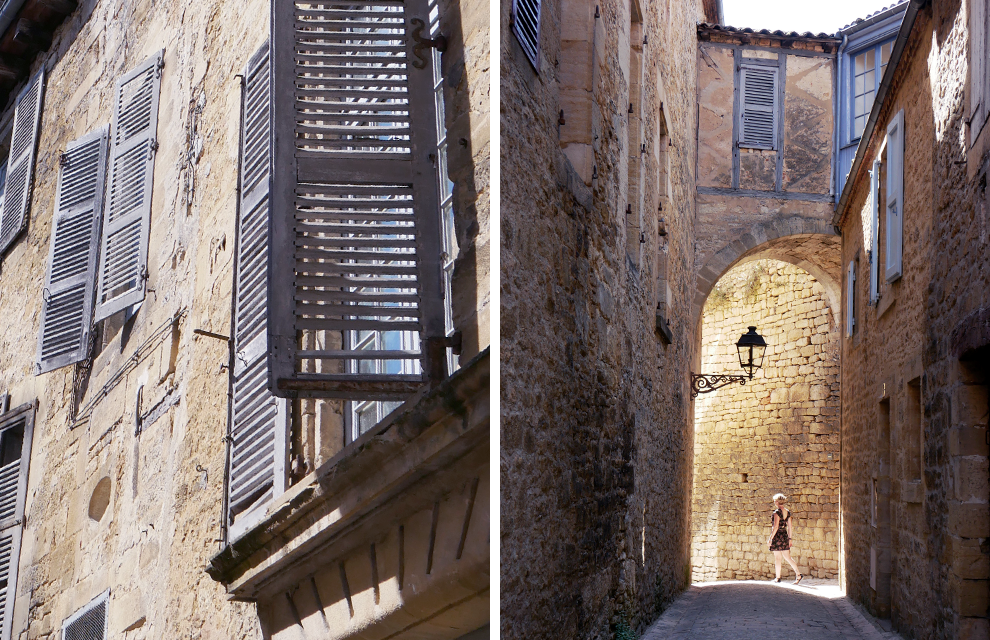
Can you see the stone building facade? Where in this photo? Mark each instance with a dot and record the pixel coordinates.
(124, 422)
(913, 216)
(597, 247)
(778, 433)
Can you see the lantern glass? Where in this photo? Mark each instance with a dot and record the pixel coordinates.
(752, 347)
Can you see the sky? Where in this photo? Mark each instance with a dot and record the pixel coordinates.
(799, 15)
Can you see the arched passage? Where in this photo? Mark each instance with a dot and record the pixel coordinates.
(779, 432)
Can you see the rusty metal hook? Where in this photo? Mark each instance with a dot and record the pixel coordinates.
(439, 43)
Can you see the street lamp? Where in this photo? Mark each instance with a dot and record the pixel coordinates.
(751, 347)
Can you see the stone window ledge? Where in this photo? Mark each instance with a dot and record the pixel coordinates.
(438, 438)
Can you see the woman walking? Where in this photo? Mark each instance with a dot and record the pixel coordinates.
(780, 536)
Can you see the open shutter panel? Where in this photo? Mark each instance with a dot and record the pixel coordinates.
(874, 231)
(526, 26)
(850, 298)
(355, 235)
(20, 162)
(259, 421)
(70, 282)
(977, 73)
(124, 248)
(16, 430)
(759, 98)
(895, 196)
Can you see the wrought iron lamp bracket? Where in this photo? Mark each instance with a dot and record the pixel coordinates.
(706, 383)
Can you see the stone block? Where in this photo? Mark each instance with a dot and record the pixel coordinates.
(968, 560)
(970, 597)
(973, 629)
(969, 520)
(968, 441)
(971, 475)
(969, 405)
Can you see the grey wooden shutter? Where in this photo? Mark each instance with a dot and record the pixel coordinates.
(895, 197)
(20, 162)
(71, 278)
(355, 231)
(259, 427)
(758, 100)
(127, 214)
(16, 431)
(526, 27)
(874, 231)
(90, 622)
(977, 69)
(850, 298)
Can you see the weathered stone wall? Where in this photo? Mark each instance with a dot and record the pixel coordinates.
(914, 414)
(162, 451)
(595, 456)
(777, 433)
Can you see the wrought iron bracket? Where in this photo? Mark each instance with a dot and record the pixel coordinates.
(439, 43)
(706, 383)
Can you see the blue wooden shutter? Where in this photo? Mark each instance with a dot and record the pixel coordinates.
(20, 162)
(355, 232)
(758, 100)
(895, 197)
(66, 316)
(124, 249)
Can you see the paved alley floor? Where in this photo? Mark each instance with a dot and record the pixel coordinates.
(754, 610)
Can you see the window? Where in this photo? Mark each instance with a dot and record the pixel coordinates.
(866, 77)
(850, 298)
(758, 124)
(526, 25)
(123, 273)
(19, 172)
(894, 197)
(90, 622)
(16, 430)
(365, 230)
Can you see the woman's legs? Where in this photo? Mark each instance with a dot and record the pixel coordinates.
(776, 562)
(787, 556)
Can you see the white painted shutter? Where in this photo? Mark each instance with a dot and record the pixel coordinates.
(895, 197)
(850, 298)
(16, 429)
(758, 100)
(874, 231)
(127, 214)
(20, 162)
(259, 426)
(66, 316)
(526, 27)
(355, 234)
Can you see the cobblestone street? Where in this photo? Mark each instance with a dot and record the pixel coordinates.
(750, 610)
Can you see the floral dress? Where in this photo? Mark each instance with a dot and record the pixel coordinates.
(780, 541)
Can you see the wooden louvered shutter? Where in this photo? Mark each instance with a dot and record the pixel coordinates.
(355, 232)
(874, 231)
(259, 427)
(71, 279)
(894, 201)
(758, 100)
(127, 214)
(850, 298)
(20, 162)
(16, 429)
(977, 68)
(526, 27)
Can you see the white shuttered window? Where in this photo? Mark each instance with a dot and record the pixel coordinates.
(259, 420)
(355, 233)
(127, 214)
(16, 429)
(71, 278)
(20, 163)
(895, 197)
(758, 100)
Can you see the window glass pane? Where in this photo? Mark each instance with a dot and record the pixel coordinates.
(859, 85)
(367, 417)
(860, 125)
(870, 80)
(860, 63)
(885, 53)
(870, 59)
